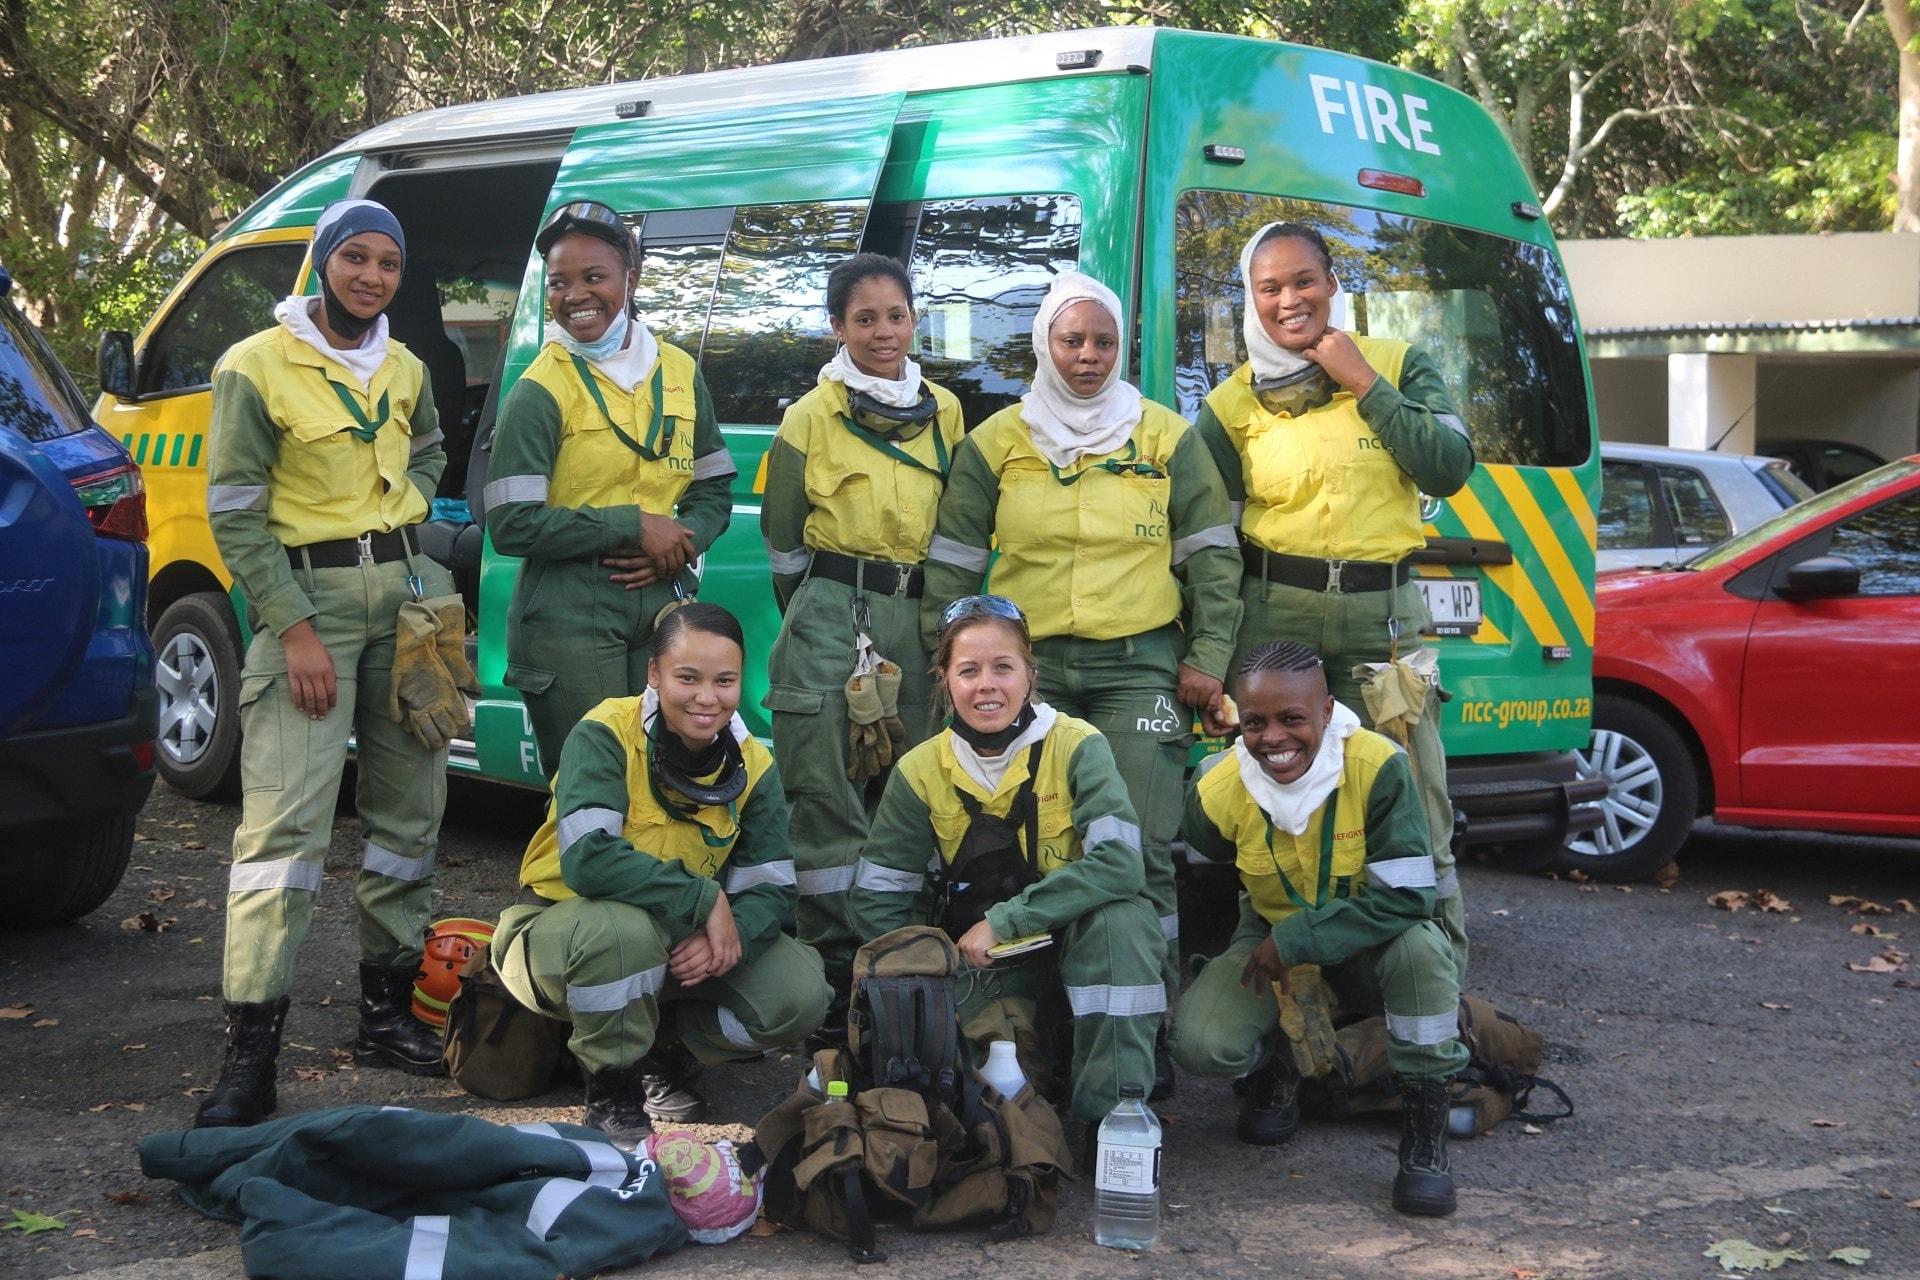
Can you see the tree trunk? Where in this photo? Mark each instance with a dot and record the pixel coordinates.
(1906, 210)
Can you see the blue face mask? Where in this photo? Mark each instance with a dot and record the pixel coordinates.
(607, 346)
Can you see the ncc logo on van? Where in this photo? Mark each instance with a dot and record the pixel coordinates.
(1374, 113)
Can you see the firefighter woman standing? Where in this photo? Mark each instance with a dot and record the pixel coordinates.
(854, 479)
(324, 451)
(1326, 441)
(609, 477)
(1026, 818)
(1115, 540)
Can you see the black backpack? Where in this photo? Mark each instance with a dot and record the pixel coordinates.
(990, 865)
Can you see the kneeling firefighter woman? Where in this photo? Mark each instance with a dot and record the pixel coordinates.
(1027, 821)
(659, 886)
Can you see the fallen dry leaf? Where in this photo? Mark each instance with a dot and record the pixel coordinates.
(1913, 1204)
(310, 1073)
(149, 922)
(1728, 899)
(1589, 888)
(1841, 899)
(1905, 904)
(197, 1090)
(1667, 876)
(125, 1197)
(1745, 1255)
(1499, 911)
(1874, 931)
(1577, 876)
(47, 1022)
(163, 894)
(1878, 964)
(85, 1231)
(1829, 1124)
(1852, 1255)
(1520, 1274)
(1768, 900)
(1623, 888)
(763, 1228)
(132, 1048)
(192, 844)
(17, 1011)
(1768, 1004)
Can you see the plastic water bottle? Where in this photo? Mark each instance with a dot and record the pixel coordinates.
(1463, 1120)
(1126, 1176)
(1002, 1070)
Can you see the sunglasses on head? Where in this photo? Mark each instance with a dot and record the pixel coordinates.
(590, 216)
(982, 606)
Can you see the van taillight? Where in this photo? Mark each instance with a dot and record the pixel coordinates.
(116, 503)
(1381, 180)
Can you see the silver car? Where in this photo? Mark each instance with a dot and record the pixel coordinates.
(1662, 506)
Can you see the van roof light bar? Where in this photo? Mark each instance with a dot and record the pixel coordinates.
(634, 109)
(1403, 184)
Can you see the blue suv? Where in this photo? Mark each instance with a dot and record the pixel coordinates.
(77, 703)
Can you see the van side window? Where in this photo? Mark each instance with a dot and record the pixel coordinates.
(980, 268)
(233, 299)
(767, 333)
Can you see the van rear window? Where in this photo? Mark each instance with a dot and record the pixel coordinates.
(1496, 315)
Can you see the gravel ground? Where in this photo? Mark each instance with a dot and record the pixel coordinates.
(1734, 1078)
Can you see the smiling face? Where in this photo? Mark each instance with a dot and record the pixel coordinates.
(588, 284)
(363, 273)
(1084, 343)
(1283, 717)
(1293, 291)
(877, 327)
(698, 679)
(988, 674)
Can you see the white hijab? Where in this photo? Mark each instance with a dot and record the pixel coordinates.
(625, 368)
(1270, 359)
(903, 393)
(1067, 426)
(1291, 805)
(297, 312)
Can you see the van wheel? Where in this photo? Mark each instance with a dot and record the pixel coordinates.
(59, 871)
(1653, 793)
(197, 668)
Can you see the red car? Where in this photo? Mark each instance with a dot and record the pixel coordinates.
(1772, 681)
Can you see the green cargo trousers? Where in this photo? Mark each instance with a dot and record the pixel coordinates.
(807, 676)
(290, 767)
(1221, 1028)
(1128, 689)
(602, 966)
(574, 639)
(1109, 962)
(1347, 629)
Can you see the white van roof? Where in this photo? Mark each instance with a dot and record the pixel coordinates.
(921, 69)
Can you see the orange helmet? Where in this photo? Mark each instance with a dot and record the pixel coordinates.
(450, 944)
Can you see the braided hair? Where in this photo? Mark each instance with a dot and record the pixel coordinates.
(1279, 655)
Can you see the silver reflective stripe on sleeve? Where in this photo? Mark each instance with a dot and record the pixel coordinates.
(1118, 1002)
(610, 997)
(1453, 423)
(554, 1199)
(1402, 873)
(1235, 510)
(422, 443)
(717, 463)
(740, 879)
(1221, 535)
(427, 1249)
(788, 561)
(734, 1031)
(1449, 886)
(284, 873)
(608, 1165)
(871, 875)
(825, 880)
(385, 862)
(236, 497)
(499, 493)
(959, 554)
(1100, 830)
(1170, 926)
(585, 821)
(1426, 1028)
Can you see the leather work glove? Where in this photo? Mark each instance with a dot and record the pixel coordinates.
(450, 642)
(1306, 1020)
(425, 702)
(888, 676)
(869, 748)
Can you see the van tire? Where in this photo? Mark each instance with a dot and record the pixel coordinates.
(1652, 798)
(60, 871)
(197, 668)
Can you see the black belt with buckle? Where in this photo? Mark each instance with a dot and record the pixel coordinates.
(344, 553)
(1312, 574)
(881, 577)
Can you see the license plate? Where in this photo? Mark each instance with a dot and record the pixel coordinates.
(1454, 604)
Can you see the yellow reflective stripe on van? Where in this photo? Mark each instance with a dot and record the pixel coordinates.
(1576, 499)
(164, 447)
(1510, 578)
(1546, 545)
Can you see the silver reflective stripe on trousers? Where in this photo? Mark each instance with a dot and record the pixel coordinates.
(1402, 873)
(871, 875)
(584, 822)
(385, 862)
(958, 554)
(734, 1031)
(427, 1250)
(515, 489)
(608, 1165)
(1449, 886)
(1170, 926)
(284, 873)
(609, 997)
(825, 880)
(1112, 828)
(1428, 1028)
(554, 1199)
(1118, 1002)
(740, 879)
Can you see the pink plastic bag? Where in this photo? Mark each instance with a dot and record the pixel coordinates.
(704, 1180)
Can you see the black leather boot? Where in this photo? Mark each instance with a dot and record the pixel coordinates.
(666, 1091)
(1163, 1076)
(1424, 1185)
(1270, 1101)
(616, 1105)
(245, 1093)
(389, 1033)
(832, 1031)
